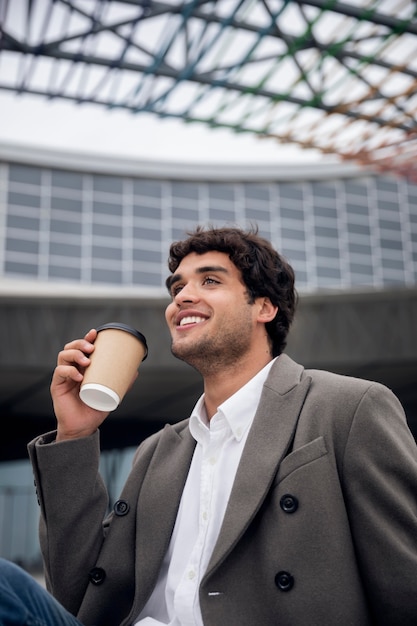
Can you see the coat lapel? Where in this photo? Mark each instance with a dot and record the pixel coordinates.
(270, 436)
(158, 503)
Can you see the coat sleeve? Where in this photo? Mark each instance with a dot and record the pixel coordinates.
(380, 484)
(73, 503)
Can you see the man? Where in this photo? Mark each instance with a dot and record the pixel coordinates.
(288, 498)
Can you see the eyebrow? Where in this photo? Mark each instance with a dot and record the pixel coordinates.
(175, 278)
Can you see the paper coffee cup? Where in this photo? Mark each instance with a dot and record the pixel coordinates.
(119, 349)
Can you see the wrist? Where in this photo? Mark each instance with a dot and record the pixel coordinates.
(62, 435)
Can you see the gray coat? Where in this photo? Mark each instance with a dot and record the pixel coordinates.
(320, 529)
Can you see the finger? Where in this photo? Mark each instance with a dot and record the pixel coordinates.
(63, 373)
(73, 355)
(84, 344)
(91, 335)
(80, 344)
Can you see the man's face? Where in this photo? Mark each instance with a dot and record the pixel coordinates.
(210, 318)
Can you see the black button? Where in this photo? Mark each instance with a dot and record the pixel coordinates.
(97, 575)
(121, 507)
(288, 503)
(284, 581)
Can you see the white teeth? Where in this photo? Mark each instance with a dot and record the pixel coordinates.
(192, 319)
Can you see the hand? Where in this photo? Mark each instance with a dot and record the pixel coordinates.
(75, 419)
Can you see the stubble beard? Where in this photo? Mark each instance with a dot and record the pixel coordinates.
(213, 354)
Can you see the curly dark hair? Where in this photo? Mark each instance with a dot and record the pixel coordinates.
(264, 271)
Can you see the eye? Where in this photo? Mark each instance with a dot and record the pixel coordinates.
(209, 280)
(175, 289)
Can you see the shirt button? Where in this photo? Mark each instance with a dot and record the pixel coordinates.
(213, 460)
(205, 516)
(191, 574)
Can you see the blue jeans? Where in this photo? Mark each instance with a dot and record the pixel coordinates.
(24, 602)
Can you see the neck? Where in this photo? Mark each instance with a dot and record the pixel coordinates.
(219, 386)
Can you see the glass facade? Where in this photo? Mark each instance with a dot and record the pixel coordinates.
(92, 228)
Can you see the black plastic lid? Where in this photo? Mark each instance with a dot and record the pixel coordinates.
(128, 329)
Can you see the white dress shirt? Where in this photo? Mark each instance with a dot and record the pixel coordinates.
(220, 442)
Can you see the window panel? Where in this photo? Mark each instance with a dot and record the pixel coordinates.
(108, 184)
(65, 226)
(221, 215)
(14, 267)
(22, 245)
(151, 212)
(185, 214)
(147, 256)
(257, 214)
(146, 234)
(24, 199)
(66, 204)
(255, 191)
(325, 231)
(25, 174)
(107, 208)
(323, 251)
(359, 248)
(147, 278)
(108, 230)
(185, 190)
(292, 233)
(359, 229)
(23, 222)
(65, 249)
(293, 192)
(66, 180)
(328, 212)
(328, 272)
(151, 188)
(294, 213)
(63, 272)
(106, 252)
(221, 191)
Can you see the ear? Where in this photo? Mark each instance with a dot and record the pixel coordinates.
(267, 310)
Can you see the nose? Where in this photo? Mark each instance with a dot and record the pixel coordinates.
(186, 294)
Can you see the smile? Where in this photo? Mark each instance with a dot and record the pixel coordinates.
(192, 319)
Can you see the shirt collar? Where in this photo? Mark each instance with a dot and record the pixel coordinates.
(238, 410)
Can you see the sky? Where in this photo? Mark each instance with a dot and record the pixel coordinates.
(38, 122)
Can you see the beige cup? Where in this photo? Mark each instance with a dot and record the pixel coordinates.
(119, 350)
